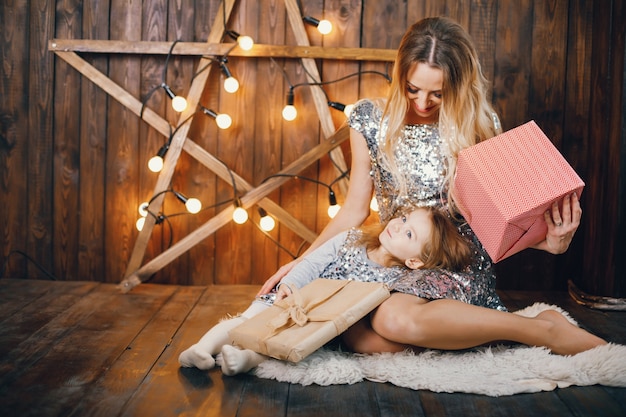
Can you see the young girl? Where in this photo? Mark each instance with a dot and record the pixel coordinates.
(423, 238)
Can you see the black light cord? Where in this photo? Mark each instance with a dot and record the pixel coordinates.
(37, 264)
(163, 79)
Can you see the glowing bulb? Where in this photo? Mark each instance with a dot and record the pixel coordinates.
(267, 223)
(193, 205)
(348, 109)
(140, 222)
(374, 204)
(240, 215)
(231, 84)
(325, 27)
(143, 209)
(333, 210)
(245, 42)
(155, 164)
(223, 121)
(289, 112)
(179, 104)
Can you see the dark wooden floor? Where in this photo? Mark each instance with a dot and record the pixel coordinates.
(85, 349)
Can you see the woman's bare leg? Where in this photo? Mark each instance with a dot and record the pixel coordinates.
(360, 337)
(451, 324)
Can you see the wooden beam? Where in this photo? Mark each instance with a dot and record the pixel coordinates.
(319, 98)
(220, 49)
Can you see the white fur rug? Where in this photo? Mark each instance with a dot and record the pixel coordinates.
(493, 371)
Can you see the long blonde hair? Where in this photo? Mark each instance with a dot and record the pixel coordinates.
(466, 117)
(445, 249)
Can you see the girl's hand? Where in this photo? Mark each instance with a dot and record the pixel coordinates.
(275, 279)
(283, 291)
(561, 225)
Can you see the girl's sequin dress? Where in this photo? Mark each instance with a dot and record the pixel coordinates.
(421, 159)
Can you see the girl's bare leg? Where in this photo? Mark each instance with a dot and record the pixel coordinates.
(451, 324)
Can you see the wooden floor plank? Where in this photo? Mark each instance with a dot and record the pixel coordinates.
(469, 405)
(591, 401)
(332, 401)
(74, 349)
(109, 395)
(395, 401)
(36, 308)
(70, 353)
(171, 390)
(263, 397)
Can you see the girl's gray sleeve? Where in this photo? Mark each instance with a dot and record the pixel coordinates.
(312, 265)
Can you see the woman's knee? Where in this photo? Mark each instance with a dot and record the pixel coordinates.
(398, 318)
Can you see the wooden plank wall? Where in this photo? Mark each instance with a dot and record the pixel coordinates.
(73, 160)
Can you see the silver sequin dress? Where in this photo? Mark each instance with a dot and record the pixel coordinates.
(421, 158)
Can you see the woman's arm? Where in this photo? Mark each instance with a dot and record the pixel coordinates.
(355, 208)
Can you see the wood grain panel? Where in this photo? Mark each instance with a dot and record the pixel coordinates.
(14, 127)
(66, 163)
(40, 148)
(269, 94)
(122, 145)
(73, 175)
(93, 130)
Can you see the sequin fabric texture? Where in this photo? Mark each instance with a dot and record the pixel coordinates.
(352, 263)
(421, 159)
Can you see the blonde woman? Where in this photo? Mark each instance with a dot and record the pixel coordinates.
(404, 150)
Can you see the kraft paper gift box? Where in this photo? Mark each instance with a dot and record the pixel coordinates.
(505, 184)
(298, 325)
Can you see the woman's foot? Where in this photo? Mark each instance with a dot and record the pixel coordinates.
(565, 338)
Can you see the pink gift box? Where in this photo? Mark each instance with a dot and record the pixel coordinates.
(505, 184)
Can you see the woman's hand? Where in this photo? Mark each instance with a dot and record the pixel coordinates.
(561, 225)
(275, 279)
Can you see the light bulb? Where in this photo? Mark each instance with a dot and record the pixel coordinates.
(348, 109)
(223, 121)
(140, 222)
(245, 42)
(267, 223)
(155, 164)
(179, 104)
(374, 204)
(324, 27)
(240, 215)
(193, 205)
(143, 209)
(333, 210)
(289, 112)
(231, 84)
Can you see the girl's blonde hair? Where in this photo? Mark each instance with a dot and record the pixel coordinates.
(466, 117)
(446, 248)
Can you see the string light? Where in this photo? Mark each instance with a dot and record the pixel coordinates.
(333, 207)
(345, 108)
(178, 103)
(240, 215)
(289, 111)
(231, 85)
(267, 222)
(323, 26)
(245, 42)
(222, 120)
(374, 204)
(155, 164)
